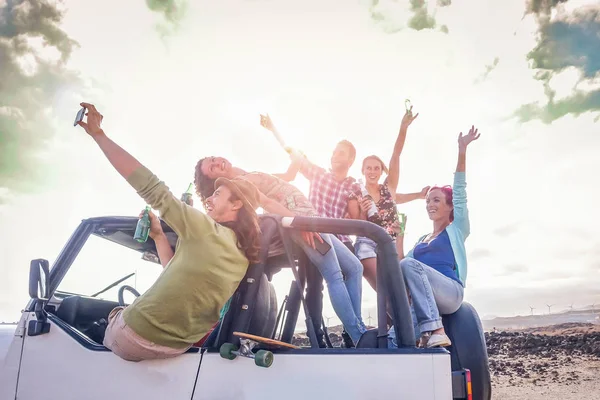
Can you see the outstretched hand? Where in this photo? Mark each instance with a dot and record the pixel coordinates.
(424, 191)
(463, 141)
(266, 122)
(94, 120)
(408, 118)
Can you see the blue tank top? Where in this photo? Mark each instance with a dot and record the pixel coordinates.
(438, 255)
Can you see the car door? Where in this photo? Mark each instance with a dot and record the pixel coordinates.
(66, 361)
(63, 364)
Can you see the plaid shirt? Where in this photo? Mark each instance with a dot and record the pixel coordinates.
(329, 196)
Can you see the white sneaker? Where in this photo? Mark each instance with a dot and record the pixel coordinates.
(438, 340)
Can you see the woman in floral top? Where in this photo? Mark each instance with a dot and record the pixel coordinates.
(384, 198)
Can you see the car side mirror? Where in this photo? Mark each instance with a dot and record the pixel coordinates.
(39, 279)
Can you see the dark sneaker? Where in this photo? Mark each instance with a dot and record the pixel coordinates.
(347, 340)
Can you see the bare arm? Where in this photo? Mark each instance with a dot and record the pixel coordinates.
(354, 210)
(163, 248)
(399, 239)
(299, 161)
(394, 172)
(400, 246)
(463, 142)
(292, 171)
(273, 207)
(402, 198)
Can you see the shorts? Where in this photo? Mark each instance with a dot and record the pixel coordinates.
(130, 346)
(365, 248)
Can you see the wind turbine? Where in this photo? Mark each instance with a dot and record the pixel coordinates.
(571, 307)
(549, 308)
(532, 308)
(593, 310)
(369, 318)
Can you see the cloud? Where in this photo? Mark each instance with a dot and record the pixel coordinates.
(479, 254)
(506, 230)
(565, 41)
(542, 7)
(172, 10)
(512, 269)
(392, 15)
(34, 81)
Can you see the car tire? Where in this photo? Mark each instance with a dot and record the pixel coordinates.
(469, 350)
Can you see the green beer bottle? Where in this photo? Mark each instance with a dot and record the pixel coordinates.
(187, 196)
(143, 227)
(402, 220)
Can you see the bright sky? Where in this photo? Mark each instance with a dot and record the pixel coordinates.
(325, 71)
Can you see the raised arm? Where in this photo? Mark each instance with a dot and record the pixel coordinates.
(124, 163)
(299, 162)
(463, 142)
(394, 172)
(183, 219)
(459, 192)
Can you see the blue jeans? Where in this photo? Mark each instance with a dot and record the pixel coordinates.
(345, 295)
(432, 295)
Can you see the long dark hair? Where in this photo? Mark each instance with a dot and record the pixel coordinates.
(246, 227)
(247, 231)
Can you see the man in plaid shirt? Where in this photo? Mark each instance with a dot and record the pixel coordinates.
(329, 190)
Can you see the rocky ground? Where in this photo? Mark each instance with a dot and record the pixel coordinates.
(555, 362)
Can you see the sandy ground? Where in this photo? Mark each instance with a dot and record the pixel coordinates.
(560, 362)
(579, 379)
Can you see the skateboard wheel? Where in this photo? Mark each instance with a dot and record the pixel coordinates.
(263, 358)
(226, 351)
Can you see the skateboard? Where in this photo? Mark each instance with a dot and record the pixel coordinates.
(262, 358)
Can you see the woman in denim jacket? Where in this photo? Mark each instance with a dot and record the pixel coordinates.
(435, 270)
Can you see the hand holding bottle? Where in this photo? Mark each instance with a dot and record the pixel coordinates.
(400, 225)
(155, 227)
(365, 204)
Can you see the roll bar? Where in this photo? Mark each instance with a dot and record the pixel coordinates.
(389, 275)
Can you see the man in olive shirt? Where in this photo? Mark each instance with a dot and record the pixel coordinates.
(211, 258)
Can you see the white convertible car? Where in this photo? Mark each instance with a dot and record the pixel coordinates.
(56, 350)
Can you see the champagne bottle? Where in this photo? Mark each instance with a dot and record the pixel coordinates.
(186, 197)
(142, 230)
(365, 193)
